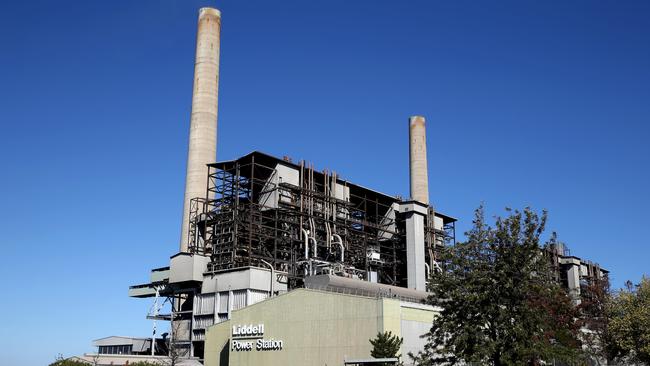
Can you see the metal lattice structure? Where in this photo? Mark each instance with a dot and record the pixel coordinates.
(262, 209)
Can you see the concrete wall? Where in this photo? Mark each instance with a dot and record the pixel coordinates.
(187, 267)
(316, 328)
(415, 266)
(415, 320)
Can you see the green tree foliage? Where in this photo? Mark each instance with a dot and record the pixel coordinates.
(595, 310)
(629, 322)
(60, 361)
(386, 345)
(499, 302)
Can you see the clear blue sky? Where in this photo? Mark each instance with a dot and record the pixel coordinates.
(539, 103)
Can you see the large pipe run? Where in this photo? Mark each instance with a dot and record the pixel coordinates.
(203, 122)
(418, 160)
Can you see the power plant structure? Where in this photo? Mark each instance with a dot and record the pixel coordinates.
(260, 226)
(263, 226)
(275, 248)
(267, 226)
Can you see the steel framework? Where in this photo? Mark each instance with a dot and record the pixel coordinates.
(316, 224)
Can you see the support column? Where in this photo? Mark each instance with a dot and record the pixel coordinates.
(415, 213)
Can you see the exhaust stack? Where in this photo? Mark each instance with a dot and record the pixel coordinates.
(202, 148)
(418, 160)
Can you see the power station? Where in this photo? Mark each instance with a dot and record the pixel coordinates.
(283, 264)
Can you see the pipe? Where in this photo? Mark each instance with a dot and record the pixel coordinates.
(301, 183)
(333, 194)
(328, 234)
(313, 254)
(436, 266)
(340, 242)
(311, 226)
(202, 148)
(272, 275)
(427, 268)
(418, 160)
(307, 239)
(306, 236)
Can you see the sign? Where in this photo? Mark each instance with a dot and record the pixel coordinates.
(250, 337)
(259, 345)
(248, 330)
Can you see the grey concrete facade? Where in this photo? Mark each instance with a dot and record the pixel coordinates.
(316, 328)
(415, 265)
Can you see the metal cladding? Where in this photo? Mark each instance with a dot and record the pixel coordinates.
(203, 123)
(418, 160)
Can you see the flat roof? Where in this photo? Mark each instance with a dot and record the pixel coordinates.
(369, 361)
(255, 153)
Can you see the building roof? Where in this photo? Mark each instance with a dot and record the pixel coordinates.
(326, 282)
(270, 161)
(371, 361)
(121, 341)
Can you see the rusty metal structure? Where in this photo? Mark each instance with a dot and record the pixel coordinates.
(260, 209)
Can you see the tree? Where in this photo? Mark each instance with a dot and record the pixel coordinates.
(629, 323)
(386, 345)
(175, 353)
(595, 310)
(499, 302)
(60, 361)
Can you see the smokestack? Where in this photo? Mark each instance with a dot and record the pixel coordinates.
(418, 160)
(203, 122)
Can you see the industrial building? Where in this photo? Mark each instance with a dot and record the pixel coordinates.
(572, 272)
(264, 226)
(281, 263)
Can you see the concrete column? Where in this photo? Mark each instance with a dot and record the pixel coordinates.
(203, 122)
(573, 277)
(572, 267)
(415, 269)
(418, 160)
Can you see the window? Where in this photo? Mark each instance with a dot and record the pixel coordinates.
(115, 350)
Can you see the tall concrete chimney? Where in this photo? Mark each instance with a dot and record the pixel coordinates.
(418, 160)
(203, 122)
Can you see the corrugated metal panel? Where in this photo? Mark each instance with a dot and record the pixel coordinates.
(238, 299)
(199, 335)
(257, 296)
(203, 321)
(205, 304)
(223, 302)
(222, 318)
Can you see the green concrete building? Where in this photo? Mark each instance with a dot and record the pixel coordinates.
(310, 327)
